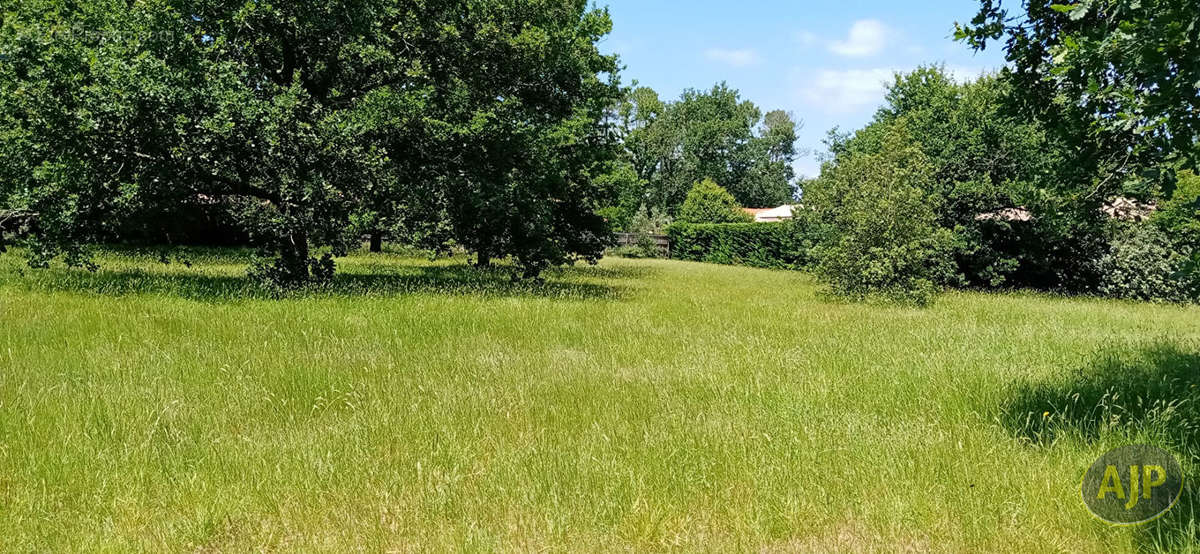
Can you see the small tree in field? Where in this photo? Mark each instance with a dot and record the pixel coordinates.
(708, 202)
(880, 225)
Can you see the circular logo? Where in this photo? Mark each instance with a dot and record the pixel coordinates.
(1133, 484)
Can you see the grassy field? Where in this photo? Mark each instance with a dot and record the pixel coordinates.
(637, 405)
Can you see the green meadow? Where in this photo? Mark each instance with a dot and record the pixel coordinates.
(630, 406)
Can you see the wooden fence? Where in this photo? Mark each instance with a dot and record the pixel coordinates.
(662, 242)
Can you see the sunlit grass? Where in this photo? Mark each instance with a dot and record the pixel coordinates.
(644, 405)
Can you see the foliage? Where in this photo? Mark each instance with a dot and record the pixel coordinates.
(308, 115)
(988, 159)
(881, 237)
(619, 181)
(1179, 216)
(650, 221)
(708, 202)
(1121, 74)
(979, 152)
(1144, 264)
(769, 245)
(646, 223)
(708, 135)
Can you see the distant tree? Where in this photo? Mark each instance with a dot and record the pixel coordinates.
(648, 144)
(768, 181)
(712, 130)
(708, 202)
(1120, 77)
(307, 116)
(530, 188)
(650, 221)
(711, 134)
(977, 149)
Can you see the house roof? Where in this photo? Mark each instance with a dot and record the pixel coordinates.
(1006, 214)
(1128, 209)
(1118, 208)
(770, 214)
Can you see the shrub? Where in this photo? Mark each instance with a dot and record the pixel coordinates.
(644, 224)
(649, 222)
(1179, 217)
(708, 202)
(882, 238)
(1144, 264)
(770, 245)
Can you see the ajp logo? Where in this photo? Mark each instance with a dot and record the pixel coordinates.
(1133, 484)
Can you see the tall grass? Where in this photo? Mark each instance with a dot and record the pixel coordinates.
(637, 405)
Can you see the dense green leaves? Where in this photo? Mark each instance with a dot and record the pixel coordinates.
(309, 116)
(1022, 210)
(1117, 82)
(878, 218)
(1143, 263)
(1122, 74)
(713, 135)
(1179, 215)
(771, 245)
(708, 202)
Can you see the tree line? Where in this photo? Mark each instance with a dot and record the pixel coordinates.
(496, 126)
(499, 127)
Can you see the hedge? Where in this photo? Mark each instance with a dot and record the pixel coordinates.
(770, 245)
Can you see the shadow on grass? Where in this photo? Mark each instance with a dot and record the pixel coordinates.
(379, 280)
(1151, 396)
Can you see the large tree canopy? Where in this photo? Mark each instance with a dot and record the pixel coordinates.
(1122, 77)
(987, 159)
(306, 115)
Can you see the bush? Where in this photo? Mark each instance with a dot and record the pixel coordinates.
(770, 245)
(644, 224)
(1179, 217)
(1144, 264)
(909, 270)
(882, 238)
(649, 222)
(708, 202)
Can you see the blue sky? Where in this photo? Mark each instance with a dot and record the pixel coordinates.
(823, 61)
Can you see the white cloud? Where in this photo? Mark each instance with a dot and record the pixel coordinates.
(867, 37)
(846, 90)
(736, 58)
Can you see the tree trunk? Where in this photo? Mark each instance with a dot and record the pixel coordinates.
(376, 241)
(485, 259)
(293, 258)
(299, 240)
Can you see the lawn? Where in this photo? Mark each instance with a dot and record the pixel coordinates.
(636, 405)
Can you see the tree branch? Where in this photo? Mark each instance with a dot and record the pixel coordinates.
(1110, 176)
(233, 187)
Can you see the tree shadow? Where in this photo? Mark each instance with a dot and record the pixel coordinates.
(1148, 396)
(605, 272)
(376, 280)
